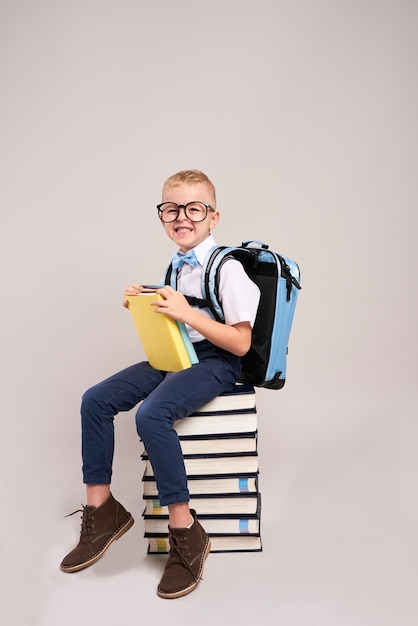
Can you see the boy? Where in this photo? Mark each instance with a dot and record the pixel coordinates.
(188, 214)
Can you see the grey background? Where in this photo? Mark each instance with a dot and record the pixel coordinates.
(303, 114)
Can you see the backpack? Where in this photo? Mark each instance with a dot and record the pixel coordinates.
(278, 278)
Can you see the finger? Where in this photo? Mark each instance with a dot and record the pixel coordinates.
(166, 290)
(132, 290)
(159, 303)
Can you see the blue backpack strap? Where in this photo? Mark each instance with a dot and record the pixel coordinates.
(214, 261)
(210, 282)
(171, 279)
(209, 279)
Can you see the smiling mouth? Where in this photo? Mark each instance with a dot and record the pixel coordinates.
(182, 229)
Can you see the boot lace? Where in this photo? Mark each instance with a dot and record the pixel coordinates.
(87, 521)
(179, 548)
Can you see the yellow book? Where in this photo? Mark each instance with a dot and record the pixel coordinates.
(165, 341)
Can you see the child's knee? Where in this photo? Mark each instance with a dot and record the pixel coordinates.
(89, 399)
(141, 423)
(148, 423)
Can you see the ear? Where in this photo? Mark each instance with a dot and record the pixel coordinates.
(214, 219)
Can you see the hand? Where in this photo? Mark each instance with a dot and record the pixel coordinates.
(133, 290)
(174, 304)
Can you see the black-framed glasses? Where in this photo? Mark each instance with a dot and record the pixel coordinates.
(194, 211)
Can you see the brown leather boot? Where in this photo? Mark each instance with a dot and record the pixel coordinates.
(100, 526)
(189, 548)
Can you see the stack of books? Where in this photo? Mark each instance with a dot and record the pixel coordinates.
(219, 444)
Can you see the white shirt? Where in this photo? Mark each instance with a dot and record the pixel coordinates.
(238, 294)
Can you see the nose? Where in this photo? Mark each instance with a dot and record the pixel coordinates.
(179, 216)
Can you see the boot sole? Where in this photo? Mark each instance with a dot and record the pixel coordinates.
(184, 592)
(117, 535)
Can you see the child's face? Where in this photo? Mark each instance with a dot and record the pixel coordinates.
(185, 233)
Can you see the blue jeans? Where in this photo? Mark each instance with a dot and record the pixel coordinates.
(165, 399)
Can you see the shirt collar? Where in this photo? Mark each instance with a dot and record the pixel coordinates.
(203, 248)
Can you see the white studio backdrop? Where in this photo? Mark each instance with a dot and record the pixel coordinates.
(304, 116)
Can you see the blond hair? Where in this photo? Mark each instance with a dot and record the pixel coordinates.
(190, 177)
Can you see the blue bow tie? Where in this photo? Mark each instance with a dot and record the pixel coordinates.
(178, 260)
